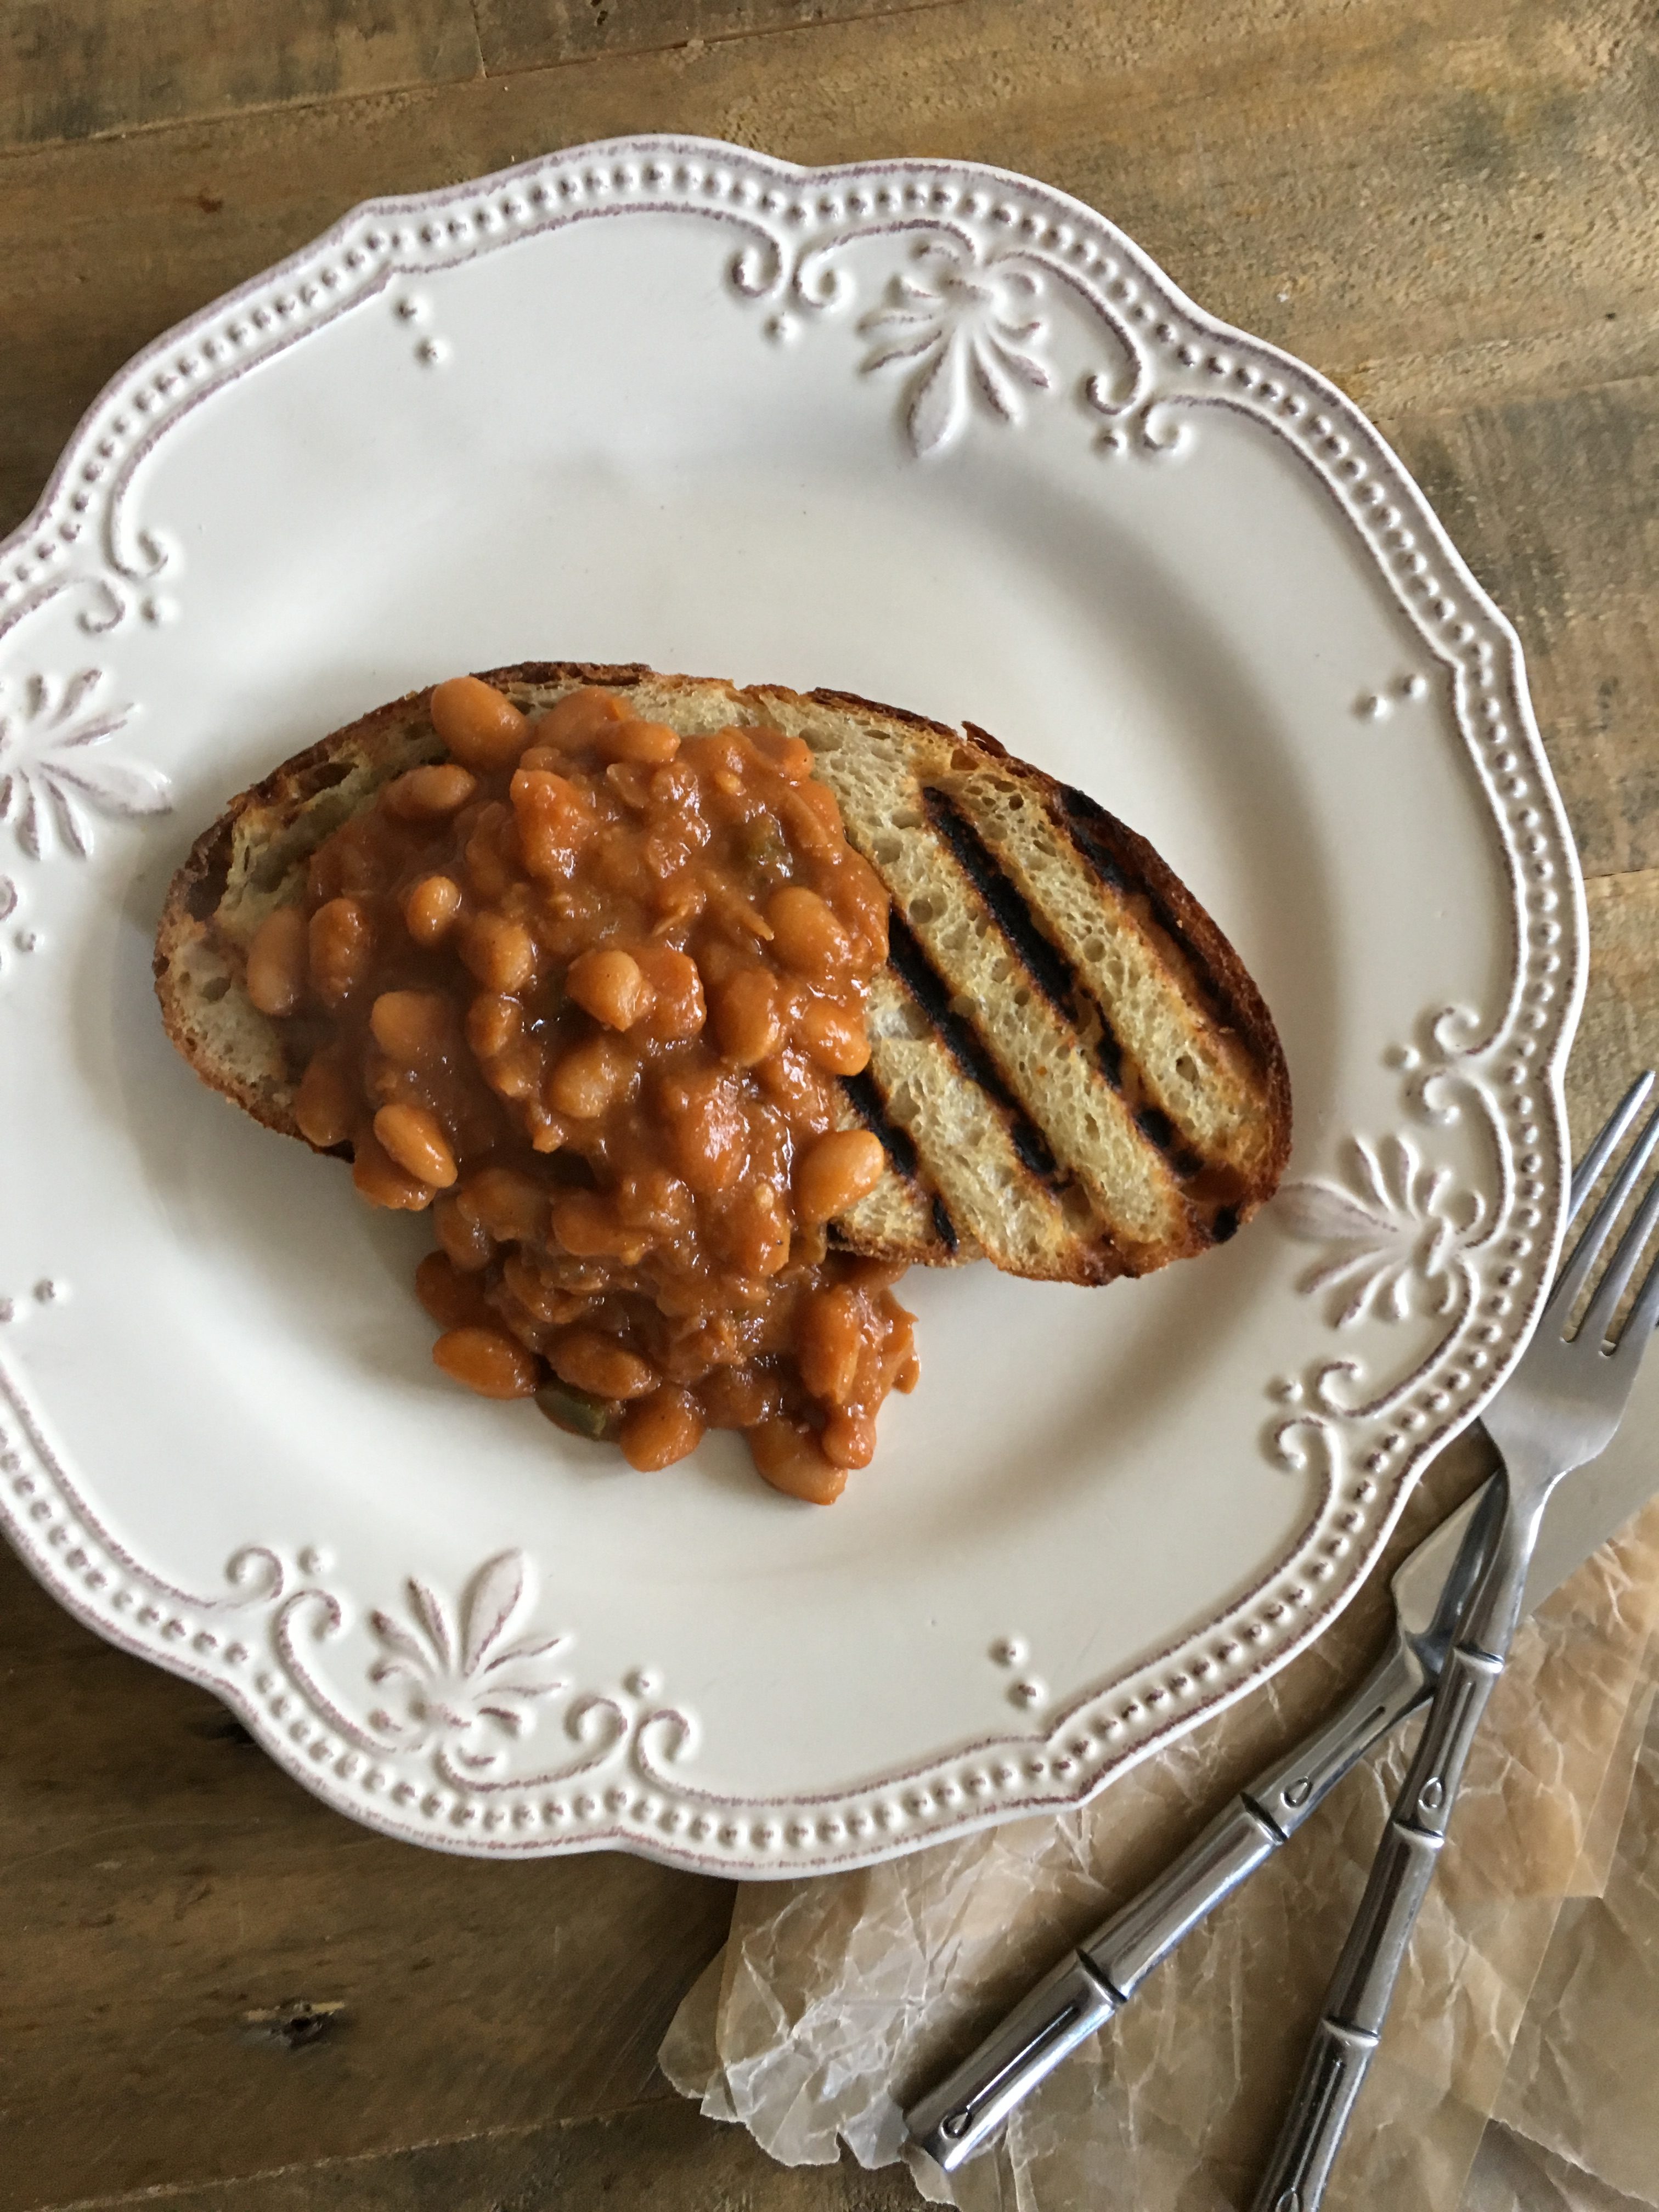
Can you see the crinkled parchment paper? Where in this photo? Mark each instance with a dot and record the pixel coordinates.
(1577, 2118)
(839, 1998)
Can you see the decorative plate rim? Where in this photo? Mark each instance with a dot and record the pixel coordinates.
(432, 1771)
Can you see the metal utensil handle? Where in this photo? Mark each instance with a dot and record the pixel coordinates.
(1266, 1814)
(1362, 1989)
(961, 2113)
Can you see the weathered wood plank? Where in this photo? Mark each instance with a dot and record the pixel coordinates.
(1337, 190)
(71, 69)
(658, 2154)
(1341, 193)
(517, 35)
(1445, 220)
(163, 1879)
(1554, 503)
(1619, 1031)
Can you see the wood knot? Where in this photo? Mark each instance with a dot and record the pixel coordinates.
(294, 2026)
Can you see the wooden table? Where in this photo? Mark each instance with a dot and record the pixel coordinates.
(209, 1987)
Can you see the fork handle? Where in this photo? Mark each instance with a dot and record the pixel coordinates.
(1266, 1813)
(960, 2114)
(1362, 1989)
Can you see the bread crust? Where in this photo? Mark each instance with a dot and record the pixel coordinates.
(251, 860)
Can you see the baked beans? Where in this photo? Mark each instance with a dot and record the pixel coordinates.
(278, 962)
(431, 908)
(583, 989)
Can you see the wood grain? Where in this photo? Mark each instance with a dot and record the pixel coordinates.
(1447, 207)
(656, 2156)
(74, 70)
(1618, 1031)
(517, 35)
(1447, 211)
(71, 69)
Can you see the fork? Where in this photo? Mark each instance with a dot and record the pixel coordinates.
(1559, 1408)
(958, 2115)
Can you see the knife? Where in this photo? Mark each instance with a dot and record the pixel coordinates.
(1430, 1588)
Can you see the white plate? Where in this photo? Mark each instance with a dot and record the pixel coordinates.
(923, 431)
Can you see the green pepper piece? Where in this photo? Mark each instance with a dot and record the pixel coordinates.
(578, 1413)
(763, 845)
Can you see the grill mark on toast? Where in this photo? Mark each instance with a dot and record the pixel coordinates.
(1084, 822)
(1034, 1156)
(1096, 834)
(1110, 1055)
(1053, 974)
(1159, 1131)
(867, 1103)
(968, 1049)
(1100, 842)
(863, 1094)
(1040, 956)
(1187, 1166)
(981, 1198)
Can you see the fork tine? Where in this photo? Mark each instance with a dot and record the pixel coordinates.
(1598, 1318)
(1602, 1151)
(1574, 1276)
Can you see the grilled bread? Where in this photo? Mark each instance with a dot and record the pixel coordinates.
(1072, 1074)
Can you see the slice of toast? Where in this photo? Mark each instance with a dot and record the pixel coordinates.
(1072, 1073)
